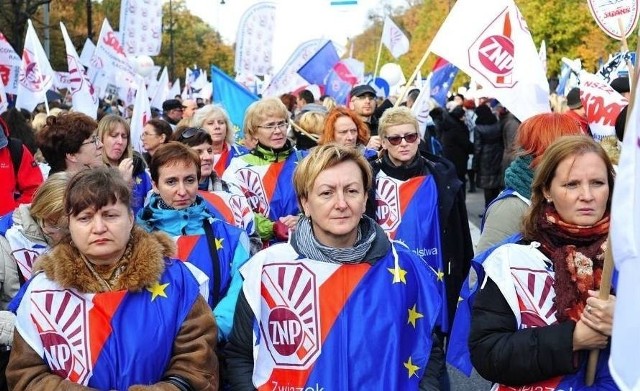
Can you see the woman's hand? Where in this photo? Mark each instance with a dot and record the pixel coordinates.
(587, 338)
(290, 221)
(598, 314)
(374, 143)
(126, 169)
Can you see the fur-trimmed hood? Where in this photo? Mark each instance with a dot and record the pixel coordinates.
(64, 265)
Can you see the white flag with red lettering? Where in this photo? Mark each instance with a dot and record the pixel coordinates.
(497, 50)
(141, 114)
(254, 40)
(36, 74)
(3, 99)
(141, 26)
(9, 66)
(83, 97)
(602, 105)
(394, 39)
(110, 65)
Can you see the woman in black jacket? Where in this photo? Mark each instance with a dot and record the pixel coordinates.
(455, 141)
(487, 155)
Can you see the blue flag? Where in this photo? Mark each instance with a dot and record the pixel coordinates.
(565, 72)
(441, 80)
(233, 96)
(316, 69)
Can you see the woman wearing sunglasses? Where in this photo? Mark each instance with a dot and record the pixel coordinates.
(344, 127)
(265, 174)
(420, 201)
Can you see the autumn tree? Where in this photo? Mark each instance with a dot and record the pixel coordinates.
(13, 19)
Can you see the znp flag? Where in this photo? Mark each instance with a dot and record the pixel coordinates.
(394, 39)
(84, 99)
(36, 74)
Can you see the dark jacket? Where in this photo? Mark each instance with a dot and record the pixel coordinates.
(487, 155)
(509, 125)
(546, 351)
(455, 143)
(456, 245)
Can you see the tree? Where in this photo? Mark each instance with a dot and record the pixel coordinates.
(13, 19)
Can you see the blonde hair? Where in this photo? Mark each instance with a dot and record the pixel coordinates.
(396, 116)
(48, 200)
(260, 110)
(106, 125)
(208, 111)
(312, 122)
(322, 158)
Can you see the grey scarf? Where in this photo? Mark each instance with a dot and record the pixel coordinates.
(307, 244)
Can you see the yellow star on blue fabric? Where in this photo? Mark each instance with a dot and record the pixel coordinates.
(411, 369)
(138, 180)
(219, 243)
(157, 289)
(413, 316)
(399, 274)
(440, 275)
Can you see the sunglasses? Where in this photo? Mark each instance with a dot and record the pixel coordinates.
(190, 132)
(396, 140)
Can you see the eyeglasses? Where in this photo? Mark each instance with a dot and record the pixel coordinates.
(94, 139)
(147, 134)
(190, 132)
(364, 97)
(282, 125)
(409, 138)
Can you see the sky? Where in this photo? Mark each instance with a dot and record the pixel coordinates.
(303, 20)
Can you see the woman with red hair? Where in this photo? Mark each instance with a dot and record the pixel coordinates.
(343, 126)
(503, 216)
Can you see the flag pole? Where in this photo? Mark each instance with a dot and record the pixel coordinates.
(607, 268)
(375, 71)
(625, 47)
(413, 76)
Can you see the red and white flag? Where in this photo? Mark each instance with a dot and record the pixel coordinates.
(4, 105)
(254, 40)
(9, 66)
(497, 50)
(36, 74)
(141, 27)
(394, 39)
(83, 97)
(625, 242)
(602, 105)
(110, 65)
(141, 114)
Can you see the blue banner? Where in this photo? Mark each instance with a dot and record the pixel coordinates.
(232, 95)
(317, 68)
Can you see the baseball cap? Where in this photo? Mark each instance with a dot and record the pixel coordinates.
(361, 90)
(171, 104)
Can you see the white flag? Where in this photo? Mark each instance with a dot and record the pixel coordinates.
(87, 53)
(254, 40)
(162, 92)
(36, 74)
(394, 39)
(421, 108)
(141, 26)
(110, 65)
(175, 90)
(497, 50)
(3, 99)
(542, 54)
(9, 66)
(625, 242)
(602, 105)
(83, 98)
(287, 79)
(141, 114)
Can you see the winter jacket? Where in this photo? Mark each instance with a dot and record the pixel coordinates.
(17, 189)
(488, 149)
(456, 245)
(190, 352)
(455, 143)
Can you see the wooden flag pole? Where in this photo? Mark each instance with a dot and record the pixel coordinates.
(413, 76)
(375, 71)
(625, 47)
(607, 268)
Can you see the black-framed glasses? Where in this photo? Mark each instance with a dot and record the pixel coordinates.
(282, 125)
(190, 132)
(396, 140)
(95, 140)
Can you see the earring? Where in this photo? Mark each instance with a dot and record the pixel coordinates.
(549, 200)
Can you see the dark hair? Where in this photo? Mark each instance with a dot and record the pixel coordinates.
(289, 100)
(485, 115)
(19, 128)
(307, 96)
(197, 136)
(95, 188)
(62, 135)
(161, 127)
(413, 94)
(171, 153)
